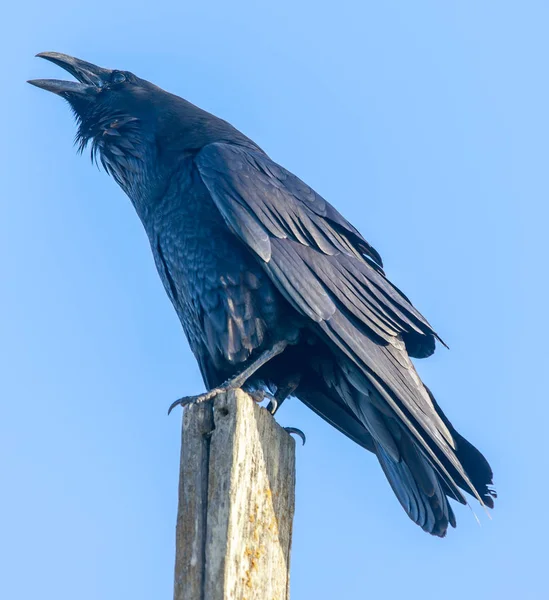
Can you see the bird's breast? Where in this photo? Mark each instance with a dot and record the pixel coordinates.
(227, 305)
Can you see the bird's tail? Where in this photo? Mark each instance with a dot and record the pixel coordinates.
(418, 487)
(472, 460)
(423, 479)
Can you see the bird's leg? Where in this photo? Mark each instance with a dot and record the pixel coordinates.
(237, 381)
(286, 388)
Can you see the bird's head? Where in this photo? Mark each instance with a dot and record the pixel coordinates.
(116, 111)
(131, 123)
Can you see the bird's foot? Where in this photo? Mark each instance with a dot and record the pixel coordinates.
(260, 395)
(190, 400)
(237, 381)
(286, 388)
(297, 432)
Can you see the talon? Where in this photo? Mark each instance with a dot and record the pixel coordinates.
(190, 400)
(297, 432)
(272, 407)
(177, 403)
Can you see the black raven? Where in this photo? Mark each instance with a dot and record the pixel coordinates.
(276, 291)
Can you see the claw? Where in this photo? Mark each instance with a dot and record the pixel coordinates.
(272, 407)
(190, 400)
(297, 432)
(176, 403)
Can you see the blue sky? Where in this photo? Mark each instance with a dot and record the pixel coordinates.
(426, 124)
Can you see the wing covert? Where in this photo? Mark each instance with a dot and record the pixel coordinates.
(263, 204)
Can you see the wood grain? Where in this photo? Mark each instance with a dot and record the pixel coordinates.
(236, 503)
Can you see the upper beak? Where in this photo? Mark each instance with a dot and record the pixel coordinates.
(91, 78)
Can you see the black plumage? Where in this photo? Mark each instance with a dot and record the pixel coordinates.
(252, 258)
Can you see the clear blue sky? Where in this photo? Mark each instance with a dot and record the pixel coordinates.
(426, 124)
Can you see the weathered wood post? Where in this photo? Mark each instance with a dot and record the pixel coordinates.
(236, 503)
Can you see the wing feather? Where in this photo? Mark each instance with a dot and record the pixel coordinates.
(330, 274)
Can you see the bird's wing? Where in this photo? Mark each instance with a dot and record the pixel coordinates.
(268, 207)
(330, 274)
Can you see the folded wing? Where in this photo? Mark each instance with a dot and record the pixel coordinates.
(330, 274)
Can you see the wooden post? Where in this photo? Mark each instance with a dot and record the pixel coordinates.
(236, 503)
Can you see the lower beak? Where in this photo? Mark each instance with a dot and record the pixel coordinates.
(60, 87)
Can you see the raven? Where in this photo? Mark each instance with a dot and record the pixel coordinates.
(275, 290)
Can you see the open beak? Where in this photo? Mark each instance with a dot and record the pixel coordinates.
(90, 78)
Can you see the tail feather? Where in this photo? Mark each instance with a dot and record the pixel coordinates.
(473, 461)
(416, 484)
(421, 474)
(426, 506)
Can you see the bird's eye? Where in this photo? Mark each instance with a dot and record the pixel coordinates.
(118, 77)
